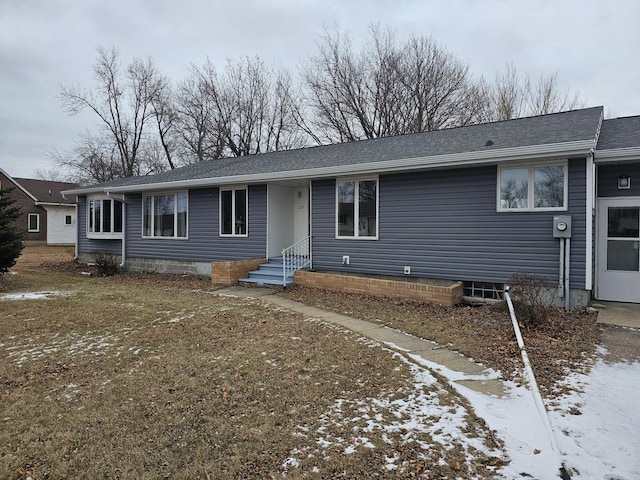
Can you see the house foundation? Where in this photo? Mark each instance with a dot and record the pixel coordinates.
(432, 291)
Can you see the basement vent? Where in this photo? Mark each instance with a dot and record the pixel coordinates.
(484, 290)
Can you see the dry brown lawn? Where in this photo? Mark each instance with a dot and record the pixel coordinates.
(565, 343)
(150, 376)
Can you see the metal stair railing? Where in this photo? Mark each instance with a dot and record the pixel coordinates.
(295, 257)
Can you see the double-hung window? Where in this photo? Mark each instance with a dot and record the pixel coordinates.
(104, 218)
(234, 211)
(165, 215)
(34, 222)
(533, 187)
(357, 208)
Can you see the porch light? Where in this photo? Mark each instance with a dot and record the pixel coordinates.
(624, 182)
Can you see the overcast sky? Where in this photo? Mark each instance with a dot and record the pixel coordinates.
(593, 45)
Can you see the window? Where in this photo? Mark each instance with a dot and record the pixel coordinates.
(165, 216)
(34, 222)
(68, 219)
(357, 209)
(233, 212)
(104, 218)
(536, 187)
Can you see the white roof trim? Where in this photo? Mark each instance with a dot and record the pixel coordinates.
(617, 154)
(53, 204)
(582, 147)
(17, 184)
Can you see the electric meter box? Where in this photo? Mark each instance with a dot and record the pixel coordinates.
(562, 226)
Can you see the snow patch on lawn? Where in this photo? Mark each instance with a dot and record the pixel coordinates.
(35, 295)
(423, 414)
(596, 426)
(72, 345)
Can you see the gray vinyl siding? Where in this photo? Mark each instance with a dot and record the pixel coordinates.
(203, 244)
(88, 245)
(608, 180)
(444, 225)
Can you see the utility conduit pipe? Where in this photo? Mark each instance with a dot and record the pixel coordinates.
(567, 268)
(564, 474)
(561, 274)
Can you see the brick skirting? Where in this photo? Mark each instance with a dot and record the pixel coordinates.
(229, 272)
(448, 295)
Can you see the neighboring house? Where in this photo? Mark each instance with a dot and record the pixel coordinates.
(47, 217)
(556, 195)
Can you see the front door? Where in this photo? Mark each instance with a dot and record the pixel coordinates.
(619, 250)
(288, 217)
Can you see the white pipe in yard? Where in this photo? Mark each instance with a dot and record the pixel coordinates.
(534, 385)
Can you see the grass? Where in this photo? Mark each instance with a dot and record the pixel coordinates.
(150, 376)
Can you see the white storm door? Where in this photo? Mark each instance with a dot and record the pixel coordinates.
(619, 250)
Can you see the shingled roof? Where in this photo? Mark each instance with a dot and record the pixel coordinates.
(45, 191)
(568, 133)
(620, 133)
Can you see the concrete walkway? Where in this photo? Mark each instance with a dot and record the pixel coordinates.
(619, 314)
(471, 374)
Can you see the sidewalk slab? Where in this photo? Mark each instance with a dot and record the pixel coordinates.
(618, 313)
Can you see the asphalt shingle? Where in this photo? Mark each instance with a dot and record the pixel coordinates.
(565, 127)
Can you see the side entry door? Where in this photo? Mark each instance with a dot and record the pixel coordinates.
(619, 250)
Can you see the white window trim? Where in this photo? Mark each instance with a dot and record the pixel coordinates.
(102, 235)
(175, 216)
(37, 229)
(531, 186)
(233, 189)
(356, 208)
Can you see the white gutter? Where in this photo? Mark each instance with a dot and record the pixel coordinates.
(52, 204)
(582, 147)
(617, 155)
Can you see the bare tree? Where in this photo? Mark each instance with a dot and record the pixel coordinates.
(512, 96)
(546, 97)
(247, 109)
(437, 87)
(387, 88)
(123, 103)
(257, 108)
(196, 120)
(164, 113)
(352, 95)
(92, 160)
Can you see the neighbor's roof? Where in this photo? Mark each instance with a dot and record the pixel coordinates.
(560, 134)
(619, 140)
(43, 192)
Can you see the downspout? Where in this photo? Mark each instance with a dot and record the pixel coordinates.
(590, 214)
(124, 226)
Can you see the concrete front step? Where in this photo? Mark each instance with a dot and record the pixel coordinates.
(268, 274)
(266, 281)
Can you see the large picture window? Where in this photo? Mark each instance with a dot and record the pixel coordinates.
(535, 187)
(165, 216)
(233, 212)
(104, 217)
(357, 208)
